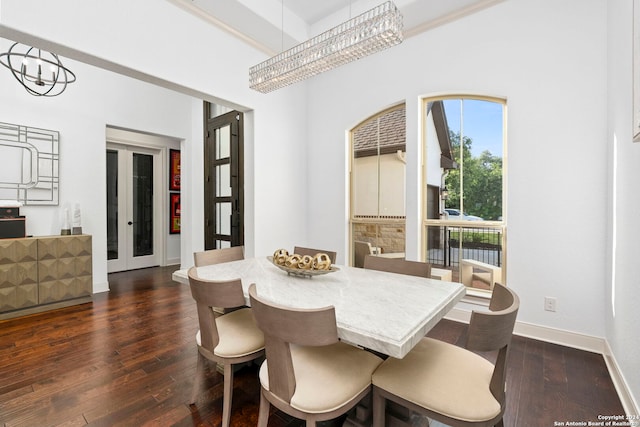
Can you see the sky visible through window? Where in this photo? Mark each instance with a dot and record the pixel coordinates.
(482, 123)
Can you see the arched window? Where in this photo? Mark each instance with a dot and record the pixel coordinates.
(465, 171)
(378, 185)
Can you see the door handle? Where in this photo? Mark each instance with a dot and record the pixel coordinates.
(129, 223)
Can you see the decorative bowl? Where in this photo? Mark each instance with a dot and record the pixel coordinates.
(302, 272)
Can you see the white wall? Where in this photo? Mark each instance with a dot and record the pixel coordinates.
(81, 115)
(172, 47)
(622, 290)
(555, 85)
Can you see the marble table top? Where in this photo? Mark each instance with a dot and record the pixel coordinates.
(381, 311)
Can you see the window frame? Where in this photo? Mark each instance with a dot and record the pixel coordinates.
(379, 219)
(500, 225)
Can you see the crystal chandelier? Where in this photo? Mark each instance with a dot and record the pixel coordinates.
(39, 71)
(370, 32)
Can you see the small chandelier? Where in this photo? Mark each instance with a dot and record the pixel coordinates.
(370, 32)
(39, 71)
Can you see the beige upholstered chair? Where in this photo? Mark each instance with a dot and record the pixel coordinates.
(312, 252)
(452, 384)
(228, 339)
(308, 373)
(360, 251)
(397, 265)
(471, 270)
(216, 256)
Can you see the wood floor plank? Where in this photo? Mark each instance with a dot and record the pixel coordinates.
(515, 371)
(129, 358)
(530, 398)
(555, 396)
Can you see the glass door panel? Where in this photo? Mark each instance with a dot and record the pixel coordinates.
(112, 204)
(142, 204)
(223, 142)
(223, 180)
(134, 214)
(223, 218)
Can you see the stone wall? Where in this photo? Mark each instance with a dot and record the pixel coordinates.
(390, 236)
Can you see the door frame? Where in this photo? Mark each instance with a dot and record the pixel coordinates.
(160, 202)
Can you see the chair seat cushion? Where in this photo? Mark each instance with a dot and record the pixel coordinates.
(239, 335)
(484, 277)
(443, 378)
(327, 377)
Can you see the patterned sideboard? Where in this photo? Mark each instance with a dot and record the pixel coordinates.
(43, 273)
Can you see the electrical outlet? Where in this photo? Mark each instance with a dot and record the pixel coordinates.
(550, 304)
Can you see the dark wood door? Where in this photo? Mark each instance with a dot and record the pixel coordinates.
(223, 189)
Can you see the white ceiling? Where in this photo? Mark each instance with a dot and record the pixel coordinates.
(275, 25)
(313, 11)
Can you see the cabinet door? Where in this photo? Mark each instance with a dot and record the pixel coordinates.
(64, 268)
(83, 270)
(18, 274)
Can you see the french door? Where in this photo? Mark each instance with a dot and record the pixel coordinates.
(134, 213)
(223, 169)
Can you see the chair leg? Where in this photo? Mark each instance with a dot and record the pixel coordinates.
(228, 394)
(197, 380)
(379, 404)
(263, 413)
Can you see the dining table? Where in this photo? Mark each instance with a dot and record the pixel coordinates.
(376, 310)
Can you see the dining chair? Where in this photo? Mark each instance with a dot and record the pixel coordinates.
(472, 270)
(397, 265)
(312, 252)
(451, 384)
(228, 339)
(216, 256)
(360, 251)
(308, 373)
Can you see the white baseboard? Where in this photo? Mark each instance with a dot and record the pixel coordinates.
(626, 398)
(100, 287)
(561, 337)
(173, 261)
(543, 333)
(574, 340)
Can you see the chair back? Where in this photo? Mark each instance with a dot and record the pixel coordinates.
(493, 330)
(217, 256)
(397, 265)
(283, 326)
(209, 294)
(360, 251)
(312, 252)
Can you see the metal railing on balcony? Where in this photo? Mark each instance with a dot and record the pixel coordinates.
(447, 245)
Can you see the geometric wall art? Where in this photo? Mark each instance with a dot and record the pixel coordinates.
(30, 157)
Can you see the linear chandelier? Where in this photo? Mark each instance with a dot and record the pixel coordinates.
(370, 32)
(39, 71)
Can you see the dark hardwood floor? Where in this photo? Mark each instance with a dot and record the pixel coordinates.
(128, 359)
